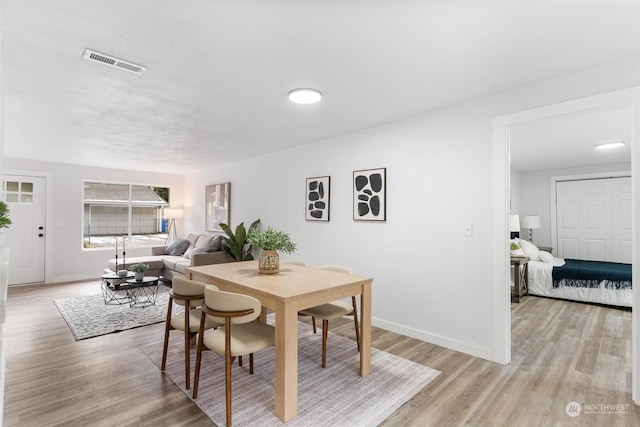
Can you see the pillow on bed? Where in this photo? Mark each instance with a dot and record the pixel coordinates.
(530, 249)
(546, 257)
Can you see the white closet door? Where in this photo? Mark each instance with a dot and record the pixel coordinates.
(594, 219)
(568, 219)
(621, 220)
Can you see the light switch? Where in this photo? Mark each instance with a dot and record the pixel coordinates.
(468, 229)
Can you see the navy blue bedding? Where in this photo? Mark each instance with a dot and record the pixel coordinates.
(589, 274)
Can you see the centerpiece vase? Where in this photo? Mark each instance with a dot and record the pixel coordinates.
(268, 262)
(139, 275)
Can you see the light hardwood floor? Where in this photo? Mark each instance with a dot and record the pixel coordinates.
(562, 352)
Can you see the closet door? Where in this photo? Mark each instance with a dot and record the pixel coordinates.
(621, 219)
(594, 219)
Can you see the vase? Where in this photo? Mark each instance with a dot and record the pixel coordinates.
(268, 262)
(139, 275)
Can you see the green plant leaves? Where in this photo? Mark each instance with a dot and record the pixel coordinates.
(235, 244)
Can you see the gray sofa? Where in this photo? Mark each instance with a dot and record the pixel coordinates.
(170, 261)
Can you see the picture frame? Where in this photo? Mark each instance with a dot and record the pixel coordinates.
(217, 203)
(370, 195)
(318, 197)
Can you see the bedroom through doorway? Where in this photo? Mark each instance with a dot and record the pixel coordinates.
(528, 138)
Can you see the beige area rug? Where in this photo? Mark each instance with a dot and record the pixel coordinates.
(336, 396)
(88, 316)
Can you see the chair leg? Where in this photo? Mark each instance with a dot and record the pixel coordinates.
(167, 328)
(239, 360)
(325, 330)
(187, 349)
(227, 369)
(313, 322)
(196, 375)
(355, 321)
(251, 363)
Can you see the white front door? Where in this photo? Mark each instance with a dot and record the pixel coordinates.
(25, 238)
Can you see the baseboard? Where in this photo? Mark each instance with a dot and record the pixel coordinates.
(481, 352)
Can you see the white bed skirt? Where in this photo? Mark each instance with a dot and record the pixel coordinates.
(541, 283)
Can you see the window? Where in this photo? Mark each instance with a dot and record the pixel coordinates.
(18, 192)
(116, 211)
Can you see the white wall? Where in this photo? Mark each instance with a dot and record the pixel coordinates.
(430, 282)
(64, 214)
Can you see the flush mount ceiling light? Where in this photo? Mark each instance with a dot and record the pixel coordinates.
(305, 96)
(610, 145)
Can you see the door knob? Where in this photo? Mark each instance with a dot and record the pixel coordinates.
(40, 235)
(41, 228)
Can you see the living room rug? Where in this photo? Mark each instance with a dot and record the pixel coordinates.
(88, 316)
(334, 396)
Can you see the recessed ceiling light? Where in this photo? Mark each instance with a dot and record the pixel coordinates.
(610, 145)
(305, 96)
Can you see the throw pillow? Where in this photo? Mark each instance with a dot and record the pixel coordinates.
(178, 247)
(192, 251)
(204, 240)
(530, 249)
(546, 257)
(215, 245)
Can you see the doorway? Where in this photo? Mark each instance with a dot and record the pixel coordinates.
(25, 197)
(502, 126)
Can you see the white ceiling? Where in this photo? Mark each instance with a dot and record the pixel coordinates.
(218, 72)
(569, 141)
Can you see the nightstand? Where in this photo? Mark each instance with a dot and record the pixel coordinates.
(521, 277)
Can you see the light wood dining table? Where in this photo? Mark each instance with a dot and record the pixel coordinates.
(293, 289)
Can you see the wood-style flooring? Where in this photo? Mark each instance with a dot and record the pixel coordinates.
(562, 352)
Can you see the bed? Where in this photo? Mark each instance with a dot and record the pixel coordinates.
(576, 280)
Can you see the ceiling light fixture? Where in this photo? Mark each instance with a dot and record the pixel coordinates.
(610, 145)
(305, 96)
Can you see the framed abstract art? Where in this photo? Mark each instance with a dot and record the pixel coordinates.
(369, 195)
(216, 205)
(317, 198)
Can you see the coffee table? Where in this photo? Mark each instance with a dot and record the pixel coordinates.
(112, 288)
(142, 293)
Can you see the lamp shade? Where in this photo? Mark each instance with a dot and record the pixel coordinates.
(514, 223)
(171, 213)
(530, 222)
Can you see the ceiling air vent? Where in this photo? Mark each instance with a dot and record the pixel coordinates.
(111, 61)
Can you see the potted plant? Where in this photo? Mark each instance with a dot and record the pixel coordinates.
(235, 244)
(514, 247)
(270, 241)
(139, 270)
(5, 221)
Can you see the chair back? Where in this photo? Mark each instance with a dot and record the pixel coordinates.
(338, 268)
(231, 302)
(299, 262)
(188, 288)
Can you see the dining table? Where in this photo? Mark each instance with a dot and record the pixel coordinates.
(292, 289)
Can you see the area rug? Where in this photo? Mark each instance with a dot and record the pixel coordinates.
(336, 396)
(88, 316)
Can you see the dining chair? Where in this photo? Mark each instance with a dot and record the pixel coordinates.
(241, 334)
(190, 294)
(333, 310)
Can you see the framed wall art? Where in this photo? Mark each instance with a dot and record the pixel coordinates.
(369, 195)
(317, 199)
(216, 205)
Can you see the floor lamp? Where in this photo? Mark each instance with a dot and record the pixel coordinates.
(171, 215)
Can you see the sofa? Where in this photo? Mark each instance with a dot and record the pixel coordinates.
(173, 260)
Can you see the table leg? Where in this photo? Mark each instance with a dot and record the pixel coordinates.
(365, 330)
(286, 380)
